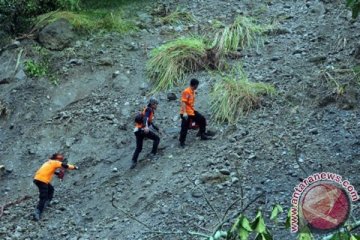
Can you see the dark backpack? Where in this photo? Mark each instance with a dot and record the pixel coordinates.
(139, 118)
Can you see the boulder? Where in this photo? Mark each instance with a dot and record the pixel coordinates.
(57, 35)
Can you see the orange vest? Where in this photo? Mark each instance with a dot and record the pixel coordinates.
(188, 97)
(47, 170)
(151, 117)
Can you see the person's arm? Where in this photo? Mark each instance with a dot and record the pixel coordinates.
(69, 166)
(184, 101)
(146, 119)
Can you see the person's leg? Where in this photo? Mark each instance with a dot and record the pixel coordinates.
(184, 129)
(156, 141)
(50, 195)
(201, 121)
(139, 144)
(43, 197)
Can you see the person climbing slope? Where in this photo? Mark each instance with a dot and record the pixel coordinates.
(42, 180)
(143, 130)
(188, 113)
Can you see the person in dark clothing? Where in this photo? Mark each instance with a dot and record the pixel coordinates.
(188, 113)
(143, 130)
(42, 180)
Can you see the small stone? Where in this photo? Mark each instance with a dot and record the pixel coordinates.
(171, 96)
(234, 180)
(115, 74)
(314, 131)
(224, 171)
(196, 193)
(114, 169)
(76, 61)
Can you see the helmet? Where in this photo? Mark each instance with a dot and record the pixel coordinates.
(153, 101)
(57, 156)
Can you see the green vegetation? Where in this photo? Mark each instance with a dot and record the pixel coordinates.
(234, 95)
(339, 79)
(177, 17)
(35, 69)
(354, 5)
(169, 62)
(87, 21)
(81, 14)
(244, 32)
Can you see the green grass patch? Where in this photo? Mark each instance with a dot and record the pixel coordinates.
(244, 32)
(234, 95)
(89, 21)
(35, 69)
(169, 63)
(177, 17)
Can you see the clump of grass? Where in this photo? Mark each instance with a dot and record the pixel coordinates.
(169, 62)
(244, 32)
(234, 95)
(177, 17)
(35, 69)
(88, 21)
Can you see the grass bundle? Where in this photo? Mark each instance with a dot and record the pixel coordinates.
(177, 17)
(244, 32)
(169, 62)
(234, 95)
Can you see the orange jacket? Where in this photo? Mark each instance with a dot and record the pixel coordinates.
(188, 97)
(47, 170)
(148, 114)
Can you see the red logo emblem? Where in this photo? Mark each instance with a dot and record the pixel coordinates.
(325, 206)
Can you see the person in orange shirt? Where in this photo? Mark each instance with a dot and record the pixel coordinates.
(42, 180)
(143, 130)
(188, 113)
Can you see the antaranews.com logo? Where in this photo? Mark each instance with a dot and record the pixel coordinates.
(323, 201)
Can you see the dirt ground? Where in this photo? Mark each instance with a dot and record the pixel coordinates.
(307, 127)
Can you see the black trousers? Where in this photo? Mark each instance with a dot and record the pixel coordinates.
(46, 193)
(198, 118)
(140, 135)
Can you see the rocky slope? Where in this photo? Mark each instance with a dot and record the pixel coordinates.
(306, 128)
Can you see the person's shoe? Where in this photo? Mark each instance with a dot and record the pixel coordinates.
(182, 145)
(133, 165)
(152, 156)
(37, 215)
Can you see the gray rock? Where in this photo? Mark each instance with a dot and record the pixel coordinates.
(57, 35)
(20, 75)
(105, 61)
(224, 171)
(171, 96)
(317, 59)
(196, 193)
(76, 61)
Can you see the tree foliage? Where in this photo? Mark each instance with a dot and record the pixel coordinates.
(354, 5)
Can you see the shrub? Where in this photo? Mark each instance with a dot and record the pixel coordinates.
(235, 95)
(244, 32)
(169, 62)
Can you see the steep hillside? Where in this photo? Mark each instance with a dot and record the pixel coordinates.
(311, 125)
